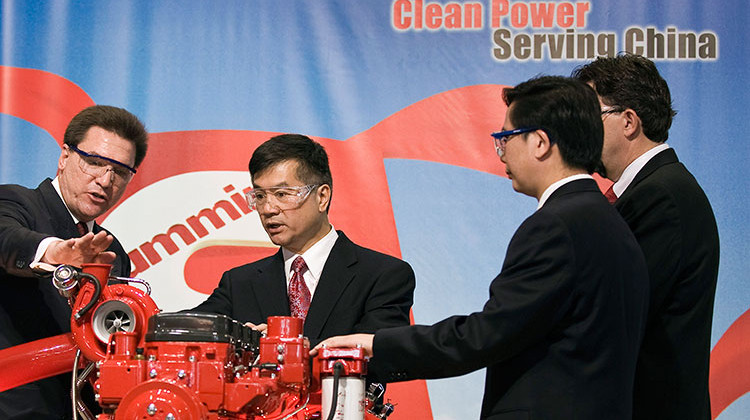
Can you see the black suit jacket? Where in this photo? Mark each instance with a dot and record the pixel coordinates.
(31, 308)
(561, 330)
(360, 291)
(675, 226)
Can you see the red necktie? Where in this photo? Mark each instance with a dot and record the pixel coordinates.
(610, 194)
(82, 228)
(299, 294)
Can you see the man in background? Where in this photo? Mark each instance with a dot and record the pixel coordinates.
(55, 224)
(672, 219)
(560, 332)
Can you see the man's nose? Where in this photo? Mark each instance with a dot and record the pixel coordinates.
(107, 178)
(267, 207)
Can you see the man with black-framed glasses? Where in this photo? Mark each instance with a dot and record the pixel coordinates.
(55, 224)
(563, 323)
(318, 274)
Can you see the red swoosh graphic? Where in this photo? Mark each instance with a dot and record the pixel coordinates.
(451, 127)
(41, 98)
(729, 375)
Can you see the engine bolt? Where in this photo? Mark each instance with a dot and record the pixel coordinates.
(170, 416)
(152, 373)
(151, 409)
(181, 374)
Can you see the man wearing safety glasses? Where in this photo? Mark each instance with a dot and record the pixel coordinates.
(55, 224)
(318, 274)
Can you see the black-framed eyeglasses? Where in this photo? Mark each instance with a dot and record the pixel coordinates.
(96, 166)
(503, 137)
(606, 110)
(285, 198)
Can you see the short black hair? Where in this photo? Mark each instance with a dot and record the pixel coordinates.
(311, 157)
(632, 81)
(110, 118)
(567, 110)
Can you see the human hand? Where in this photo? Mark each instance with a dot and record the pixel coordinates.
(260, 327)
(89, 248)
(352, 340)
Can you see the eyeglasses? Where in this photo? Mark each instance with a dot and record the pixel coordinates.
(285, 198)
(503, 137)
(606, 110)
(96, 166)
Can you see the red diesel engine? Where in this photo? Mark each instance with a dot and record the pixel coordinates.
(144, 364)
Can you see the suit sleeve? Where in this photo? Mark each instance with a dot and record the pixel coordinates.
(220, 301)
(18, 240)
(527, 299)
(390, 299)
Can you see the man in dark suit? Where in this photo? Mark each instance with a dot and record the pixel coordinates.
(560, 332)
(55, 224)
(672, 219)
(343, 287)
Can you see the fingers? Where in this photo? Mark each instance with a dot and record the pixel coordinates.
(90, 248)
(94, 244)
(107, 257)
(260, 327)
(353, 340)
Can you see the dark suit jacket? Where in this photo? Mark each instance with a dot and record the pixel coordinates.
(31, 308)
(675, 226)
(360, 291)
(560, 332)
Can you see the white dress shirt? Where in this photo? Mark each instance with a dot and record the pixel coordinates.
(557, 184)
(315, 258)
(628, 175)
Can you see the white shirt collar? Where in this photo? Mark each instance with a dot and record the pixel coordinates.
(557, 184)
(628, 175)
(315, 258)
(56, 184)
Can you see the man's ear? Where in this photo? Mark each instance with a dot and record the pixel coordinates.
(324, 197)
(542, 144)
(64, 156)
(631, 123)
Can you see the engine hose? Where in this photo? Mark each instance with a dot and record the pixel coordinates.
(97, 292)
(337, 368)
(79, 407)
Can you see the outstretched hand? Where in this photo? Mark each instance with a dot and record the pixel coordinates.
(353, 340)
(89, 248)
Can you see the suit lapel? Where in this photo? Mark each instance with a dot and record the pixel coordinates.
(337, 273)
(60, 219)
(270, 287)
(662, 158)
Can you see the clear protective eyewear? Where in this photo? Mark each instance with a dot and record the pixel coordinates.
(503, 137)
(96, 166)
(285, 198)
